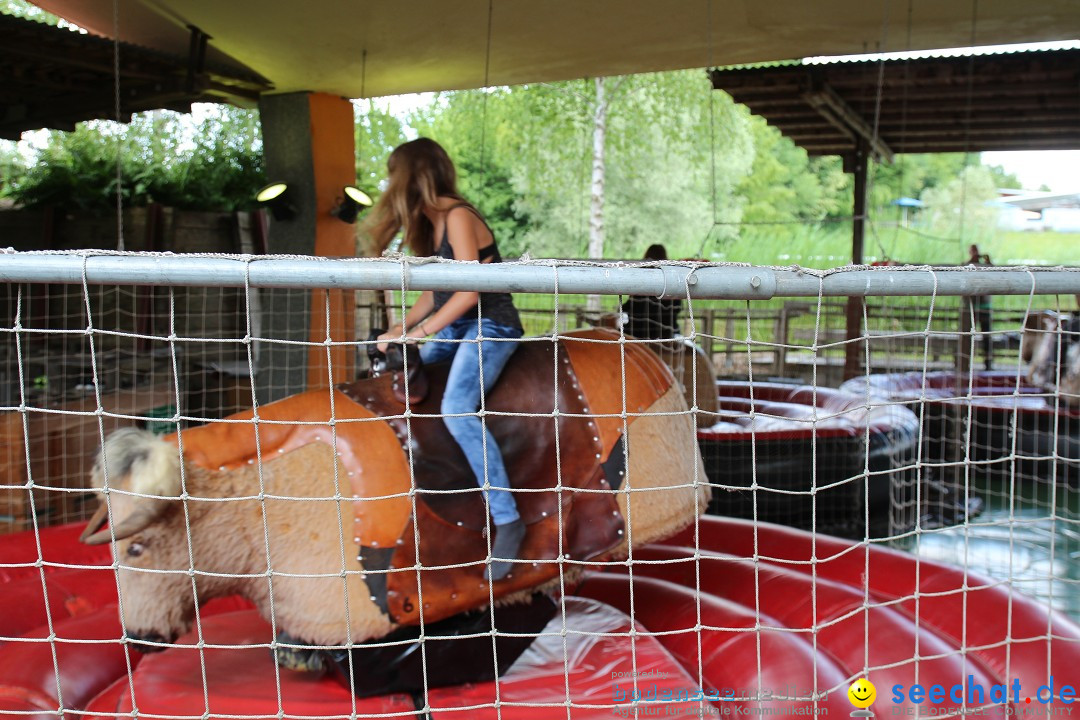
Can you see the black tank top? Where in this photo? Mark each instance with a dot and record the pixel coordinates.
(498, 307)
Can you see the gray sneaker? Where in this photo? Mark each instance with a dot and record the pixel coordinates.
(508, 539)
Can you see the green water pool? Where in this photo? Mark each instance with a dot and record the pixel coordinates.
(1029, 535)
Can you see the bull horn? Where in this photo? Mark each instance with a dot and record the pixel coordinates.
(96, 521)
(142, 517)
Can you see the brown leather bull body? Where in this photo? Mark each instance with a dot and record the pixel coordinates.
(563, 448)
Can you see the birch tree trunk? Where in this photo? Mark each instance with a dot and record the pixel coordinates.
(596, 195)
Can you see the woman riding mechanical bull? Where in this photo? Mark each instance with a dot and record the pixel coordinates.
(345, 518)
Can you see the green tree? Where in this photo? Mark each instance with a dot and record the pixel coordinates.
(11, 167)
(786, 185)
(377, 134)
(680, 150)
(1003, 179)
(160, 156)
(536, 143)
(910, 175)
(29, 11)
(960, 209)
(79, 169)
(477, 128)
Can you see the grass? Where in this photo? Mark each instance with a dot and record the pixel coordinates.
(829, 245)
(1035, 248)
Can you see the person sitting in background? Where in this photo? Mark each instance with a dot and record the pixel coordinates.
(650, 318)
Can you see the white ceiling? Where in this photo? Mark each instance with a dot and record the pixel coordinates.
(367, 48)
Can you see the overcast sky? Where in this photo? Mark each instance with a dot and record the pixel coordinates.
(1058, 169)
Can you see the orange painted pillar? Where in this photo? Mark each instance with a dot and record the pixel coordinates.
(333, 155)
(308, 142)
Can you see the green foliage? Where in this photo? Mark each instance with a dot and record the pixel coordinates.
(785, 185)
(225, 168)
(961, 208)
(77, 169)
(913, 175)
(829, 245)
(524, 156)
(680, 137)
(24, 9)
(480, 140)
(545, 147)
(1003, 179)
(525, 153)
(377, 134)
(11, 167)
(215, 165)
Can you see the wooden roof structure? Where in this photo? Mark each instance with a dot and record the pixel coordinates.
(1024, 100)
(371, 48)
(950, 101)
(53, 78)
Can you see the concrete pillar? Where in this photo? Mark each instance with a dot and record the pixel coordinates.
(308, 142)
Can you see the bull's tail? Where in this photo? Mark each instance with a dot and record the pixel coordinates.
(138, 461)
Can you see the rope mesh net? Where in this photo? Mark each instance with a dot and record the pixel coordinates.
(876, 504)
(843, 475)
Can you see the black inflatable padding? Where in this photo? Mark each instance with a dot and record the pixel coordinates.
(394, 664)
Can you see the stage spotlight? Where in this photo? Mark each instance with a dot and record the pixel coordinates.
(351, 204)
(275, 196)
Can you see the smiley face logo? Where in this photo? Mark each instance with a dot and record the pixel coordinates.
(862, 693)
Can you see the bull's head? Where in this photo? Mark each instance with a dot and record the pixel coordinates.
(1037, 339)
(147, 525)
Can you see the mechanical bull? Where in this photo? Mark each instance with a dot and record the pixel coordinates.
(1051, 349)
(346, 517)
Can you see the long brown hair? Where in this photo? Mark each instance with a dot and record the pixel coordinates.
(420, 172)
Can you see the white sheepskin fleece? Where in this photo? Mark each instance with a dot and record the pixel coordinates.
(140, 462)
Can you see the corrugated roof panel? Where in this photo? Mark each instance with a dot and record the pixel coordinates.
(970, 100)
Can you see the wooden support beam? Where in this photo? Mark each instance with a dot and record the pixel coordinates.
(917, 145)
(828, 135)
(773, 103)
(73, 57)
(896, 110)
(842, 116)
(854, 351)
(891, 125)
(1017, 141)
(1003, 91)
(1021, 129)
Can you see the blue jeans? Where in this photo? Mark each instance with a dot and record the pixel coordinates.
(462, 399)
